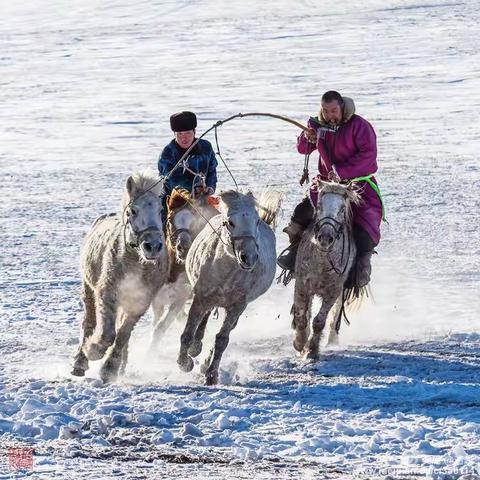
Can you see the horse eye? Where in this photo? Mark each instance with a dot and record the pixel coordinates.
(132, 211)
(231, 224)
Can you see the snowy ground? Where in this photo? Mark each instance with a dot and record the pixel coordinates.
(86, 91)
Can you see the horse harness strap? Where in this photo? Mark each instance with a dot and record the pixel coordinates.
(334, 223)
(376, 189)
(138, 234)
(233, 238)
(339, 229)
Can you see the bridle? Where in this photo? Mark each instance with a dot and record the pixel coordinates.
(234, 238)
(136, 235)
(334, 223)
(172, 231)
(340, 232)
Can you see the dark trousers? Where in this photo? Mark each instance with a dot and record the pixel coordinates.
(303, 215)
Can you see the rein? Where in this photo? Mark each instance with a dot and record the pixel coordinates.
(217, 124)
(340, 271)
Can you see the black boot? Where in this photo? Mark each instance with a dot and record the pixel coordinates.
(363, 269)
(287, 260)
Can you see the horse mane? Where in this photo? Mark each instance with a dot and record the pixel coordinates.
(234, 200)
(268, 205)
(178, 198)
(144, 181)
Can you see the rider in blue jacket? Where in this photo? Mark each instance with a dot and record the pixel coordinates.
(198, 172)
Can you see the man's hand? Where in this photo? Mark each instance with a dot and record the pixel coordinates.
(310, 135)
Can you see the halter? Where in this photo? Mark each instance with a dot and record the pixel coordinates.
(234, 238)
(136, 234)
(172, 230)
(334, 223)
(340, 229)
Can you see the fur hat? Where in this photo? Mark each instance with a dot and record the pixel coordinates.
(183, 121)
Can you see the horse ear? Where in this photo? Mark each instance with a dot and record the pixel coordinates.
(171, 199)
(130, 186)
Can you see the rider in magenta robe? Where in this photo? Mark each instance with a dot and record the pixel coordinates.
(348, 149)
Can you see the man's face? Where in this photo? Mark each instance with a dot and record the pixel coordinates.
(332, 112)
(185, 139)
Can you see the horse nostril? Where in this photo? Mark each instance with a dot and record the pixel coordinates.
(243, 258)
(152, 247)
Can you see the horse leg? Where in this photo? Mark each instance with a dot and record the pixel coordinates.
(110, 369)
(196, 347)
(80, 361)
(318, 324)
(104, 334)
(195, 315)
(301, 312)
(172, 306)
(207, 362)
(159, 311)
(123, 360)
(335, 323)
(221, 341)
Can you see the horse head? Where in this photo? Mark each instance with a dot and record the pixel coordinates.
(142, 208)
(241, 222)
(186, 218)
(333, 212)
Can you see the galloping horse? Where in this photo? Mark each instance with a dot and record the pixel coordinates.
(123, 266)
(228, 266)
(185, 219)
(325, 256)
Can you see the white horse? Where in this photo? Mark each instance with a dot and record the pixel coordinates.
(124, 263)
(325, 256)
(187, 215)
(228, 267)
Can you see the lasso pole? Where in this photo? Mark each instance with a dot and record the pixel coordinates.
(221, 122)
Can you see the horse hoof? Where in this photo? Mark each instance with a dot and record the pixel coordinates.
(78, 372)
(186, 364)
(298, 346)
(95, 351)
(195, 350)
(311, 357)
(333, 341)
(108, 374)
(211, 379)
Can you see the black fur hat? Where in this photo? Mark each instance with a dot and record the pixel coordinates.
(183, 121)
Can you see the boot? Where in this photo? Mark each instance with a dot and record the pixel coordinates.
(287, 260)
(363, 269)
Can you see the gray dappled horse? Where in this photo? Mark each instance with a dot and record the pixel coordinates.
(325, 256)
(187, 215)
(124, 263)
(228, 267)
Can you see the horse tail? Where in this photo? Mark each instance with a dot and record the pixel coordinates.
(268, 205)
(352, 300)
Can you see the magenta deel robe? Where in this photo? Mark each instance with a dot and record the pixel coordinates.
(353, 152)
